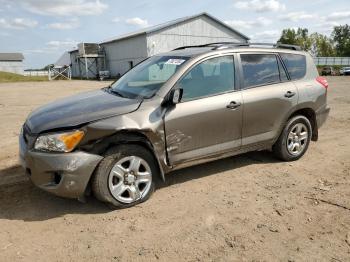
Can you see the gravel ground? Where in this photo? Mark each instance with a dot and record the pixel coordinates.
(244, 208)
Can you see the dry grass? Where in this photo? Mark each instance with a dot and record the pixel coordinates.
(6, 77)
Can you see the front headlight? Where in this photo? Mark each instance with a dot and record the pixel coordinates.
(60, 142)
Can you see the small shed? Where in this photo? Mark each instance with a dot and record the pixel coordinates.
(123, 52)
(12, 63)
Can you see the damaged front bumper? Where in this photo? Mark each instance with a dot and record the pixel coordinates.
(62, 174)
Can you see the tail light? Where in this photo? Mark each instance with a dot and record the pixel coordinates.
(323, 81)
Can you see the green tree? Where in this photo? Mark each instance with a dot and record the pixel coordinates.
(321, 45)
(298, 37)
(341, 38)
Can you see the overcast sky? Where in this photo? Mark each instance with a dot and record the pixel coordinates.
(44, 29)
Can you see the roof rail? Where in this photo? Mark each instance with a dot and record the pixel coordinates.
(292, 47)
(222, 45)
(207, 45)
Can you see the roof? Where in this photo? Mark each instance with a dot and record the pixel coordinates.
(64, 60)
(205, 50)
(159, 27)
(11, 57)
(74, 50)
(189, 52)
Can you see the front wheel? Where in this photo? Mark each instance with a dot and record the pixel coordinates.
(125, 177)
(294, 139)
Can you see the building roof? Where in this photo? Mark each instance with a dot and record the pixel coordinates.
(63, 61)
(159, 27)
(11, 57)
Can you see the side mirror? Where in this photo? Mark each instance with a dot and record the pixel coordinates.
(174, 97)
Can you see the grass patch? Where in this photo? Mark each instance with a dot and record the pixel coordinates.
(6, 77)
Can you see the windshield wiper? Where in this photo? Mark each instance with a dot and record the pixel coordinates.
(109, 89)
(118, 93)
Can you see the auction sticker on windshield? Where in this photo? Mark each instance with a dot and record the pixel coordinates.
(175, 61)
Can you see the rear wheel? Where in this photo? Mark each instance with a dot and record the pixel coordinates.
(126, 176)
(294, 139)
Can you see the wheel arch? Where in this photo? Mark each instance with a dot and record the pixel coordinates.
(130, 137)
(310, 114)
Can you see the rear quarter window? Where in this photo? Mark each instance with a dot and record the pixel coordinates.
(295, 64)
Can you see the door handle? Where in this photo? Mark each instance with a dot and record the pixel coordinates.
(233, 105)
(289, 94)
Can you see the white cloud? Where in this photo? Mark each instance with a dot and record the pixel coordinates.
(69, 24)
(261, 5)
(55, 44)
(116, 20)
(266, 36)
(137, 21)
(296, 16)
(339, 15)
(259, 22)
(17, 23)
(64, 7)
(327, 23)
(53, 47)
(326, 27)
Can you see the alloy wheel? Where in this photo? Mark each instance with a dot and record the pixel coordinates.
(297, 139)
(130, 179)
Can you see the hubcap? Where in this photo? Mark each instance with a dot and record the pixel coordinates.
(130, 179)
(297, 139)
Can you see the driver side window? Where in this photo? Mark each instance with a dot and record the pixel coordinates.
(211, 77)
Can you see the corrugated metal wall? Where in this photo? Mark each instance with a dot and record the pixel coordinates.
(332, 61)
(75, 65)
(201, 30)
(12, 67)
(120, 54)
(82, 72)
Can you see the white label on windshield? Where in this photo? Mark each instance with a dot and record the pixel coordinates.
(174, 62)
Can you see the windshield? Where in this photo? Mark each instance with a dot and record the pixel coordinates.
(147, 78)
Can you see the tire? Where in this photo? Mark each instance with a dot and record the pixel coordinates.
(126, 176)
(293, 141)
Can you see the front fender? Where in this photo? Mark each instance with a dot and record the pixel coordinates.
(129, 128)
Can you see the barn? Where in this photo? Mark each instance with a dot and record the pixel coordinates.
(119, 54)
(11, 62)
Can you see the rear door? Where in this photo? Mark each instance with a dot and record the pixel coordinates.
(208, 120)
(268, 96)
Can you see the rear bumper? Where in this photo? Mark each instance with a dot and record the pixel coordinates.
(65, 174)
(322, 115)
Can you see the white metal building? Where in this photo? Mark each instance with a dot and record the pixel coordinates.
(11, 62)
(125, 51)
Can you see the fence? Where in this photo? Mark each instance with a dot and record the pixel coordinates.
(36, 73)
(332, 61)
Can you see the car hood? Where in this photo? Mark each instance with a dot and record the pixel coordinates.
(79, 109)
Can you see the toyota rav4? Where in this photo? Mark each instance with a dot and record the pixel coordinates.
(192, 105)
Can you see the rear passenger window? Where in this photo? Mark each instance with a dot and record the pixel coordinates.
(296, 65)
(259, 69)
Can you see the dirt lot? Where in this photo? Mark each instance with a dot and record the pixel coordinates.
(245, 208)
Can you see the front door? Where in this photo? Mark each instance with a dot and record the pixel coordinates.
(208, 120)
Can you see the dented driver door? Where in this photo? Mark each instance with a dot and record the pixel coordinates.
(208, 120)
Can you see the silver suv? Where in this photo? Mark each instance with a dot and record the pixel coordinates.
(189, 106)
